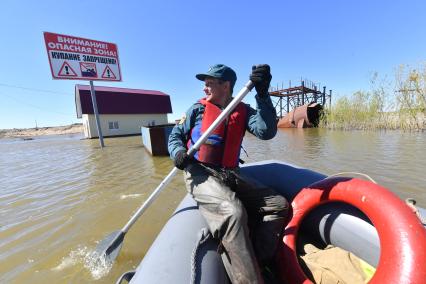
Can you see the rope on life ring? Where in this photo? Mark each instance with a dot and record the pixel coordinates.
(402, 236)
(411, 202)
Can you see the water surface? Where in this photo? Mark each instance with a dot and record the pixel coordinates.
(60, 195)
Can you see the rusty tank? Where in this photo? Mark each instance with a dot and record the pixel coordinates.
(304, 116)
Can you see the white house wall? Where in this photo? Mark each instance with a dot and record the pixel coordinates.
(127, 123)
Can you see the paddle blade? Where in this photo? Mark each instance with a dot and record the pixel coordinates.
(110, 246)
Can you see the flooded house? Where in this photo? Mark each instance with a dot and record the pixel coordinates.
(122, 111)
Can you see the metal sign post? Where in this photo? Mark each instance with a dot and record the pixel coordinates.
(95, 111)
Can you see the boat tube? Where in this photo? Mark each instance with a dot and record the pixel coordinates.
(183, 253)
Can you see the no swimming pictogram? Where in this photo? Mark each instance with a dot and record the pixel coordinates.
(108, 73)
(88, 70)
(66, 71)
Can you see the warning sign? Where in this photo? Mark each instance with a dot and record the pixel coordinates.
(108, 73)
(66, 71)
(79, 58)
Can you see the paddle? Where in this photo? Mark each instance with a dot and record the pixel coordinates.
(109, 248)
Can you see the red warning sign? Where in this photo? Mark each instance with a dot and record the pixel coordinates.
(108, 74)
(79, 58)
(88, 70)
(66, 71)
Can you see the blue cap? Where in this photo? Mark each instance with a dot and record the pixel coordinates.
(219, 71)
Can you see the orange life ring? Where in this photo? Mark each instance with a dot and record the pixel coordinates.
(402, 235)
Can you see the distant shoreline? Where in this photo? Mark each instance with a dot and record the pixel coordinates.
(41, 131)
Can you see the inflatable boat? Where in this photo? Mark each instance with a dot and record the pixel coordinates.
(353, 214)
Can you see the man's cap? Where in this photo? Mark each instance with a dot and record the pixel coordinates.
(219, 71)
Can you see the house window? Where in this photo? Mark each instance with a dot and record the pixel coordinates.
(113, 125)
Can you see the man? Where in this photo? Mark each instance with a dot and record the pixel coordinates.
(245, 216)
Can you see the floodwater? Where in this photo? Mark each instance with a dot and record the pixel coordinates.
(61, 195)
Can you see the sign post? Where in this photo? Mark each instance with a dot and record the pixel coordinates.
(75, 58)
(95, 110)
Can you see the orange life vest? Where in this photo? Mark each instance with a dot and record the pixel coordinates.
(222, 147)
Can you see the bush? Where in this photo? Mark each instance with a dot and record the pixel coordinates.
(402, 106)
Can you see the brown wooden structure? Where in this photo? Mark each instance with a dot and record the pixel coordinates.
(293, 97)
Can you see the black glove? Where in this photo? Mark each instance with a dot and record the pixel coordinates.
(261, 78)
(182, 160)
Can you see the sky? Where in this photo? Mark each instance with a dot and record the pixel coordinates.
(163, 44)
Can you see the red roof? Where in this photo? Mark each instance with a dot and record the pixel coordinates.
(111, 100)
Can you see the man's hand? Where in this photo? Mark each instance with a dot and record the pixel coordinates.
(182, 160)
(261, 78)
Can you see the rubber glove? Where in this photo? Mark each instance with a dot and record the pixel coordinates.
(261, 78)
(182, 160)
